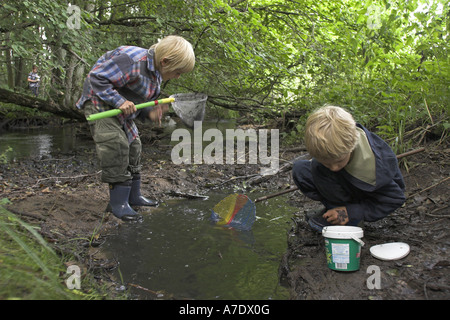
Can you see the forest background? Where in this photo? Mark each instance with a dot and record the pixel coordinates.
(268, 62)
(271, 61)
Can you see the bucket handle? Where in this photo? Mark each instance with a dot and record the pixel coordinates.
(358, 240)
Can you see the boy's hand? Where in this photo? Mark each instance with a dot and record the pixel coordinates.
(128, 108)
(156, 114)
(337, 216)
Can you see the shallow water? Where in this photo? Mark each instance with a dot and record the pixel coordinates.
(38, 143)
(177, 252)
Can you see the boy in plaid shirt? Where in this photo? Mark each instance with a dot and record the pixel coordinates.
(120, 79)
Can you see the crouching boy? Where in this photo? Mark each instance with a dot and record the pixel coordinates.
(353, 172)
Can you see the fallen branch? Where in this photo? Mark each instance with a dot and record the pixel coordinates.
(40, 104)
(276, 194)
(410, 153)
(188, 195)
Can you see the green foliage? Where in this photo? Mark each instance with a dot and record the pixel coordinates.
(3, 157)
(31, 269)
(35, 30)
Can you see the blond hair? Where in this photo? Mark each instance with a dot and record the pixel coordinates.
(330, 133)
(178, 53)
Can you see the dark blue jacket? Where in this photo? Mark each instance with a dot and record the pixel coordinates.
(387, 194)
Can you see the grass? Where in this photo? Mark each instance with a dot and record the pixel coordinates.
(31, 270)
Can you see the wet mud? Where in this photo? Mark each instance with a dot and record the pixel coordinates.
(63, 195)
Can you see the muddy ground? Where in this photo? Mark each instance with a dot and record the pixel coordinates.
(63, 195)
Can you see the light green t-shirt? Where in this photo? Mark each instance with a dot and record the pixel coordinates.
(362, 161)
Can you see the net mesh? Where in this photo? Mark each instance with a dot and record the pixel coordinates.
(189, 107)
(236, 211)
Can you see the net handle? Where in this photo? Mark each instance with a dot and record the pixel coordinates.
(115, 112)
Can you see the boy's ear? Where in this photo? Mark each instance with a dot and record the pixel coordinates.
(164, 62)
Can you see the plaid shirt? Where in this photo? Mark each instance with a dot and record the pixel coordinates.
(126, 73)
(34, 76)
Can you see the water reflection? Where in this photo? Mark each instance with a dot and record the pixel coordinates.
(21, 144)
(43, 143)
(178, 251)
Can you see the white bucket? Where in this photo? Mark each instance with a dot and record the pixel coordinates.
(343, 247)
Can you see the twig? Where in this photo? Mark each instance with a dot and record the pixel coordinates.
(142, 288)
(428, 188)
(410, 153)
(74, 177)
(240, 177)
(188, 195)
(294, 149)
(431, 214)
(276, 194)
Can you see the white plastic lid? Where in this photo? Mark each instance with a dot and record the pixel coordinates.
(342, 232)
(390, 251)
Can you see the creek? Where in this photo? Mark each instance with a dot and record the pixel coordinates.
(176, 252)
(39, 142)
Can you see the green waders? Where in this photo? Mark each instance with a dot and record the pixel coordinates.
(120, 163)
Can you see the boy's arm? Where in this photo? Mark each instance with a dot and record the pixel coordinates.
(111, 74)
(377, 204)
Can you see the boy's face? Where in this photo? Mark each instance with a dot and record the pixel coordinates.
(168, 75)
(336, 165)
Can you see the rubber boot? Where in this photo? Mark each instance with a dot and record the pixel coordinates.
(136, 199)
(118, 201)
(315, 219)
(312, 213)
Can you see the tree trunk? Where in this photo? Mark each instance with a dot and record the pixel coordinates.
(19, 72)
(69, 67)
(39, 104)
(9, 68)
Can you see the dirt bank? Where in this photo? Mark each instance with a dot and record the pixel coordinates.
(63, 195)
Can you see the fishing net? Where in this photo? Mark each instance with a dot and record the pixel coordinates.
(189, 107)
(235, 211)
